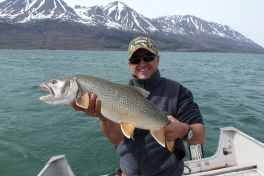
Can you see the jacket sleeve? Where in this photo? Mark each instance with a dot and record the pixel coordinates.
(188, 111)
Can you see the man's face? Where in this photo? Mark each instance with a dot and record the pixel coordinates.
(144, 70)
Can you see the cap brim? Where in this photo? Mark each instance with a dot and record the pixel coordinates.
(142, 47)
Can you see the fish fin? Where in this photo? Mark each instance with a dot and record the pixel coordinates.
(128, 129)
(83, 101)
(166, 113)
(141, 91)
(170, 145)
(159, 135)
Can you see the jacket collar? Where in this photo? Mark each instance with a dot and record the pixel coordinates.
(147, 84)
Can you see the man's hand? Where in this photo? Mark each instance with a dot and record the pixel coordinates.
(94, 108)
(175, 129)
(109, 128)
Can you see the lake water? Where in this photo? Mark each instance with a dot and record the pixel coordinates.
(229, 89)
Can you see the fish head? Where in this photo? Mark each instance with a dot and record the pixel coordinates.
(62, 91)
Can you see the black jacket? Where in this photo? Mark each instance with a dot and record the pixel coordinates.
(143, 155)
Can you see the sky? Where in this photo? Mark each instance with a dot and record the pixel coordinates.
(244, 16)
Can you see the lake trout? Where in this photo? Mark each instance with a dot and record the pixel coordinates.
(124, 104)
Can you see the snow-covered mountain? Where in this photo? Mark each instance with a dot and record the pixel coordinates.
(120, 16)
(193, 26)
(21, 11)
(113, 15)
(117, 15)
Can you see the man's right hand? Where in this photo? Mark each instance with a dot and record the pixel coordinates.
(109, 128)
(94, 108)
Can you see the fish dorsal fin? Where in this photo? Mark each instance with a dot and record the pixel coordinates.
(128, 129)
(158, 135)
(141, 91)
(83, 101)
(165, 112)
(170, 145)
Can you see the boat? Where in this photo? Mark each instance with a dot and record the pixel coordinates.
(237, 154)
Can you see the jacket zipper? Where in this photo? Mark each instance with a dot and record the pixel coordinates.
(140, 152)
(175, 158)
(141, 140)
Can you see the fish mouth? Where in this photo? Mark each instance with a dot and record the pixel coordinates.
(47, 97)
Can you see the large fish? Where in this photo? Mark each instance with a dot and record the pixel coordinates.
(123, 104)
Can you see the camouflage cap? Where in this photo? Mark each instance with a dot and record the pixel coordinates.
(141, 42)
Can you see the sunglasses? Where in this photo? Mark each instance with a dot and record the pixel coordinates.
(146, 58)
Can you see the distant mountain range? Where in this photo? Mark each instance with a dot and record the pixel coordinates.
(52, 24)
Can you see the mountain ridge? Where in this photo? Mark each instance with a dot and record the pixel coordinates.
(181, 32)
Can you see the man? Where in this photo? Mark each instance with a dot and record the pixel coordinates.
(143, 155)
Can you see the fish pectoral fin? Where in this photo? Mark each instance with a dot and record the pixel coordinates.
(128, 129)
(170, 145)
(83, 102)
(159, 135)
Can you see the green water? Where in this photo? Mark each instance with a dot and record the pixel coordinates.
(229, 89)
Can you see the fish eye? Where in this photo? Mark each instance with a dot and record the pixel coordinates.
(54, 82)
